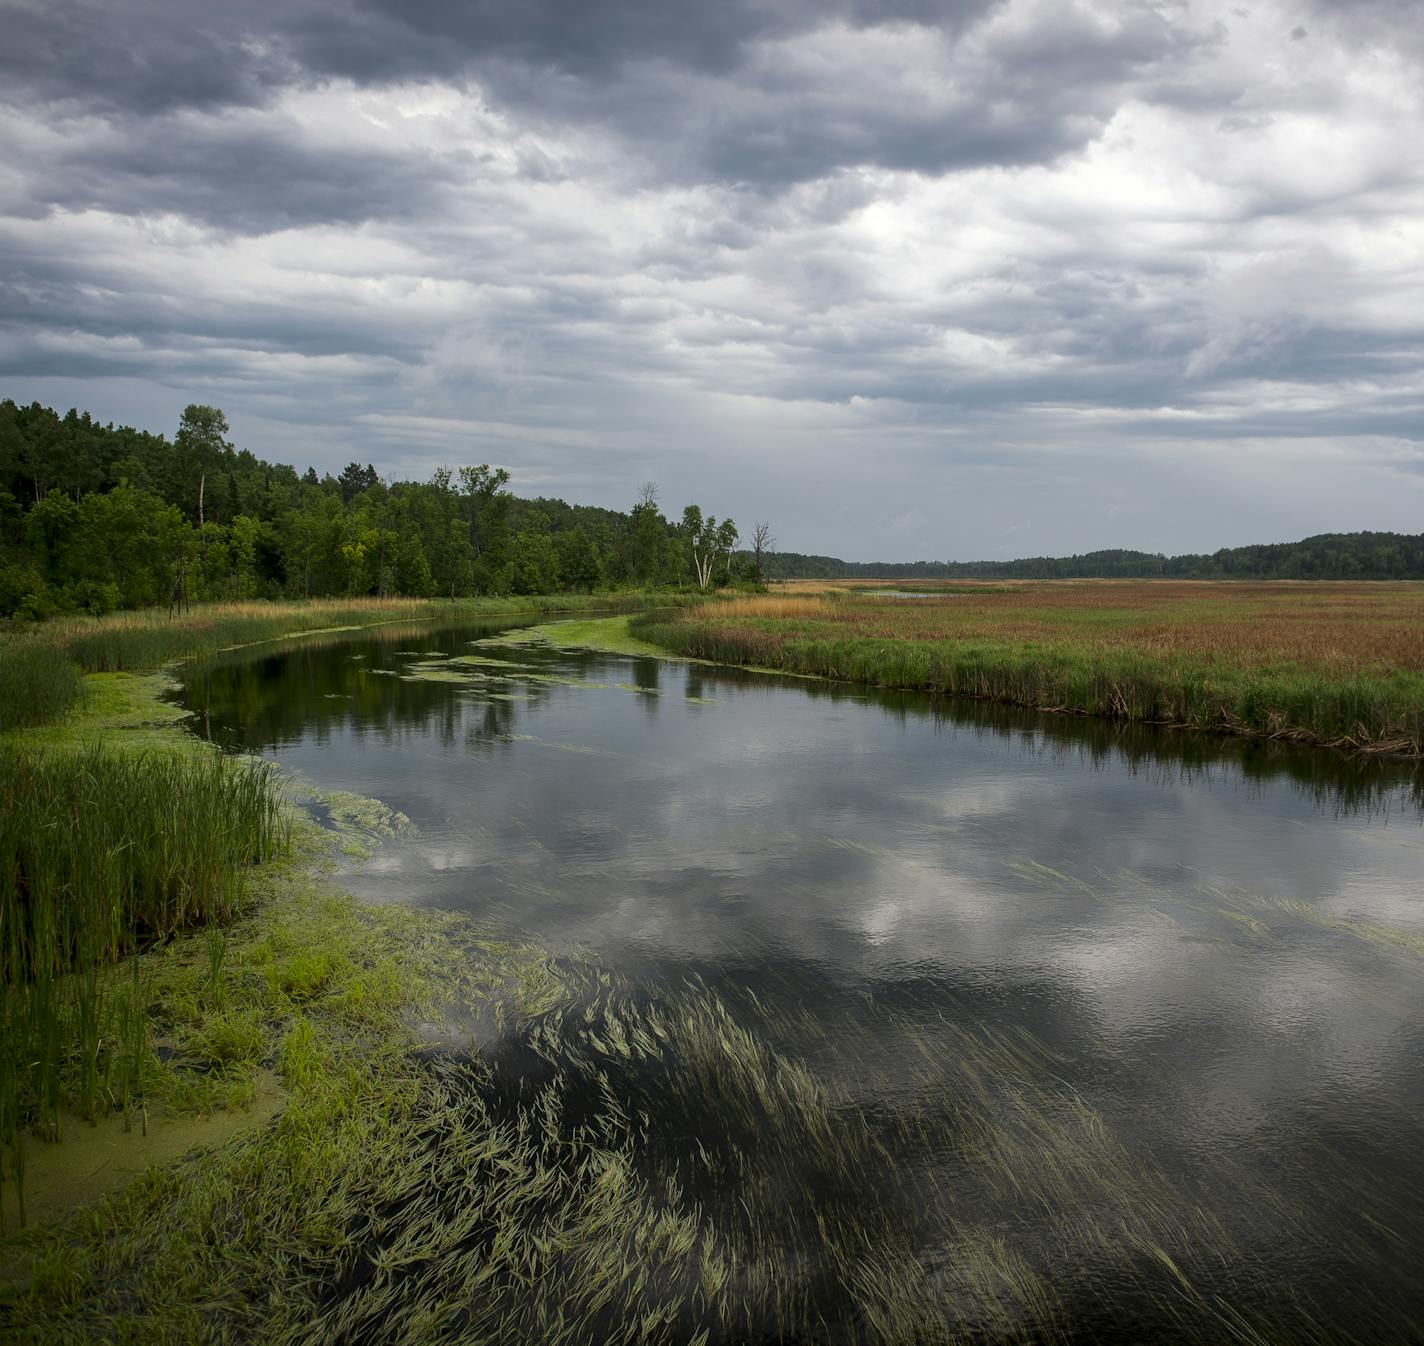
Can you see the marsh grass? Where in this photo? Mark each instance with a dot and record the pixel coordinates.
(38, 682)
(1338, 664)
(103, 852)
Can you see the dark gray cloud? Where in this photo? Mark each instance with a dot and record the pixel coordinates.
(380, 39)
(147, 56)
(151, 55)
(235, 177)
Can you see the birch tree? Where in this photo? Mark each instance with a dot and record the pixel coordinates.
(726, 542)
(708, 540)
(703, 541)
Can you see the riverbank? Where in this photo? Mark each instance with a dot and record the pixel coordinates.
(178, 972)
(166, 842)
(42, 667)
(1340, 665)
(132, 1000)
(197, 1110)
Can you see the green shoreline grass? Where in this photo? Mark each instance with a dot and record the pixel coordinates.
(121, 831)
(1379, 711)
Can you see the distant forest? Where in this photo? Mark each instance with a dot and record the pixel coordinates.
(1329, 556)
(95, 517)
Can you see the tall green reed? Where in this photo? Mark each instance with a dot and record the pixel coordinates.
(101, 853)
(38, 682)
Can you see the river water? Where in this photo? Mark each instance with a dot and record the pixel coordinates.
(1129, 1024)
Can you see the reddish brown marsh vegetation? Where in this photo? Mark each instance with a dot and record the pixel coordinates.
(1333, 662)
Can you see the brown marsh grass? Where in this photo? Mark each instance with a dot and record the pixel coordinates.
(1332, 662)
(1329, 625)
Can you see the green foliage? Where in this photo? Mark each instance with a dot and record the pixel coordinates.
(94, 518)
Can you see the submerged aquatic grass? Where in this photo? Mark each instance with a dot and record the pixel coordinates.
(619, 1164)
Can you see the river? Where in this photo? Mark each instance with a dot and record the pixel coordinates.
(1121, 1029)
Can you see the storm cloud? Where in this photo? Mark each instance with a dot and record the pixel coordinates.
(984, 278)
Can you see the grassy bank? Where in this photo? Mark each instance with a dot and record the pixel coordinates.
(41, 667)
(1337, 664)
(176, 973)
(103, 853)
(120, 833)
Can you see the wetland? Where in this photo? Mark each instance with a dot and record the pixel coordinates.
(863, 1015)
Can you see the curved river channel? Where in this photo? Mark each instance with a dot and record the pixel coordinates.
(1034, 1027)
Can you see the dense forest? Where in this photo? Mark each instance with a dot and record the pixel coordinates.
(95, 517)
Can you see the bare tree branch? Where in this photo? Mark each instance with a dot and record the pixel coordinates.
(762, 545)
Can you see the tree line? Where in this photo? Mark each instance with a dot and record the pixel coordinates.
(1328, 556)
(95, 517)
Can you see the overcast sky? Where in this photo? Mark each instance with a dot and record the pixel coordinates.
(906, 279)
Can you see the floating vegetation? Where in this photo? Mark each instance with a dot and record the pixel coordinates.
(559, 680)
(355, 816)
(422, 674)
(581, 748)
(467, 668)
(607, 635)
(488, 661)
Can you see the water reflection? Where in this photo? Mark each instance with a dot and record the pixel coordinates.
(1217, 943)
